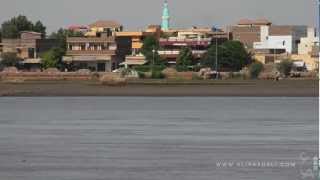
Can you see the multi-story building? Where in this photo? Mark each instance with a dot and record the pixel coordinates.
(273, 44)
(198, 40)
(308, 51)
(100, 49)
(261, 34)
(29, 47)
(309, 43)
(137, 38)
(248, 31)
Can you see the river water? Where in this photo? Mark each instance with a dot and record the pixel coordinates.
(157, 138)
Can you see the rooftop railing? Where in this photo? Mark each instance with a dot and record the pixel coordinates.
(90, 39)
(90, 52)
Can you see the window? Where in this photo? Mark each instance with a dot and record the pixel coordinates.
(31, 53)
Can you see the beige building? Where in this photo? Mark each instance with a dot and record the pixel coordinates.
(99, 50)
(307, 44)
(308, 50)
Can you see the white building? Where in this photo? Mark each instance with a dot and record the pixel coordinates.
(274, 43)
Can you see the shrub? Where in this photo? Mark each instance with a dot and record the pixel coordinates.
(141, 75)
(146, 68)
(285, 66)
(255, 69)
(157, 75)
(196, 77)
(142, 68)
(10, 59)
(113, 80)
(180, 68)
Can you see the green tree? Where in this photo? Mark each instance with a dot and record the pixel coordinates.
(255, 69)
(231, 55)
(62, 34)
(185, 57)
(9, 59)
(39, 27)
(13, 27)
(52, 58)
(184, 60)
(285, 67)
(150, 49)
(209, 59)
(9, 30)
(22, 23)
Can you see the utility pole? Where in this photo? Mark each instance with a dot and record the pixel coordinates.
(217, 74)
(153, 56)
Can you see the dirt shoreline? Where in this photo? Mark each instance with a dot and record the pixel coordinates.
(289, 88)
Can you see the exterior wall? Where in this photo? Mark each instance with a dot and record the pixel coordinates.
(307, 44)
(94, 30)
(28, 42)
(30, 35)
(191, 35)
(275, 42)
(246, 34)
(279, 38)
(270, 58)
(136, 39)
(297, 32)
(249, 34)
(312, 63)
(124, 48)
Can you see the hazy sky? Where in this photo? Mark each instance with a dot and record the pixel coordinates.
(136, 14)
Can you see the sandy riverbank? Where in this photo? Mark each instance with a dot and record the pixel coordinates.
(288, 88)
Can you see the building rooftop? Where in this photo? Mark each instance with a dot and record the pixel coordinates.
(254, 22)
(73, 27)
(105, 24)
(30, 32)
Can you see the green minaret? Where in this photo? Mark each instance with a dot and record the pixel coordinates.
(165, 25)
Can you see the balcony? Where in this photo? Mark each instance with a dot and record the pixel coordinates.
(185, 42)
(91, 52)
(175, 53)
(90, 39)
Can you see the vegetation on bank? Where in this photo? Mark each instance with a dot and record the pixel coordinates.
(52, 58)
(9, 59)
(255, 69)
(285, 67)
(231, 56)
